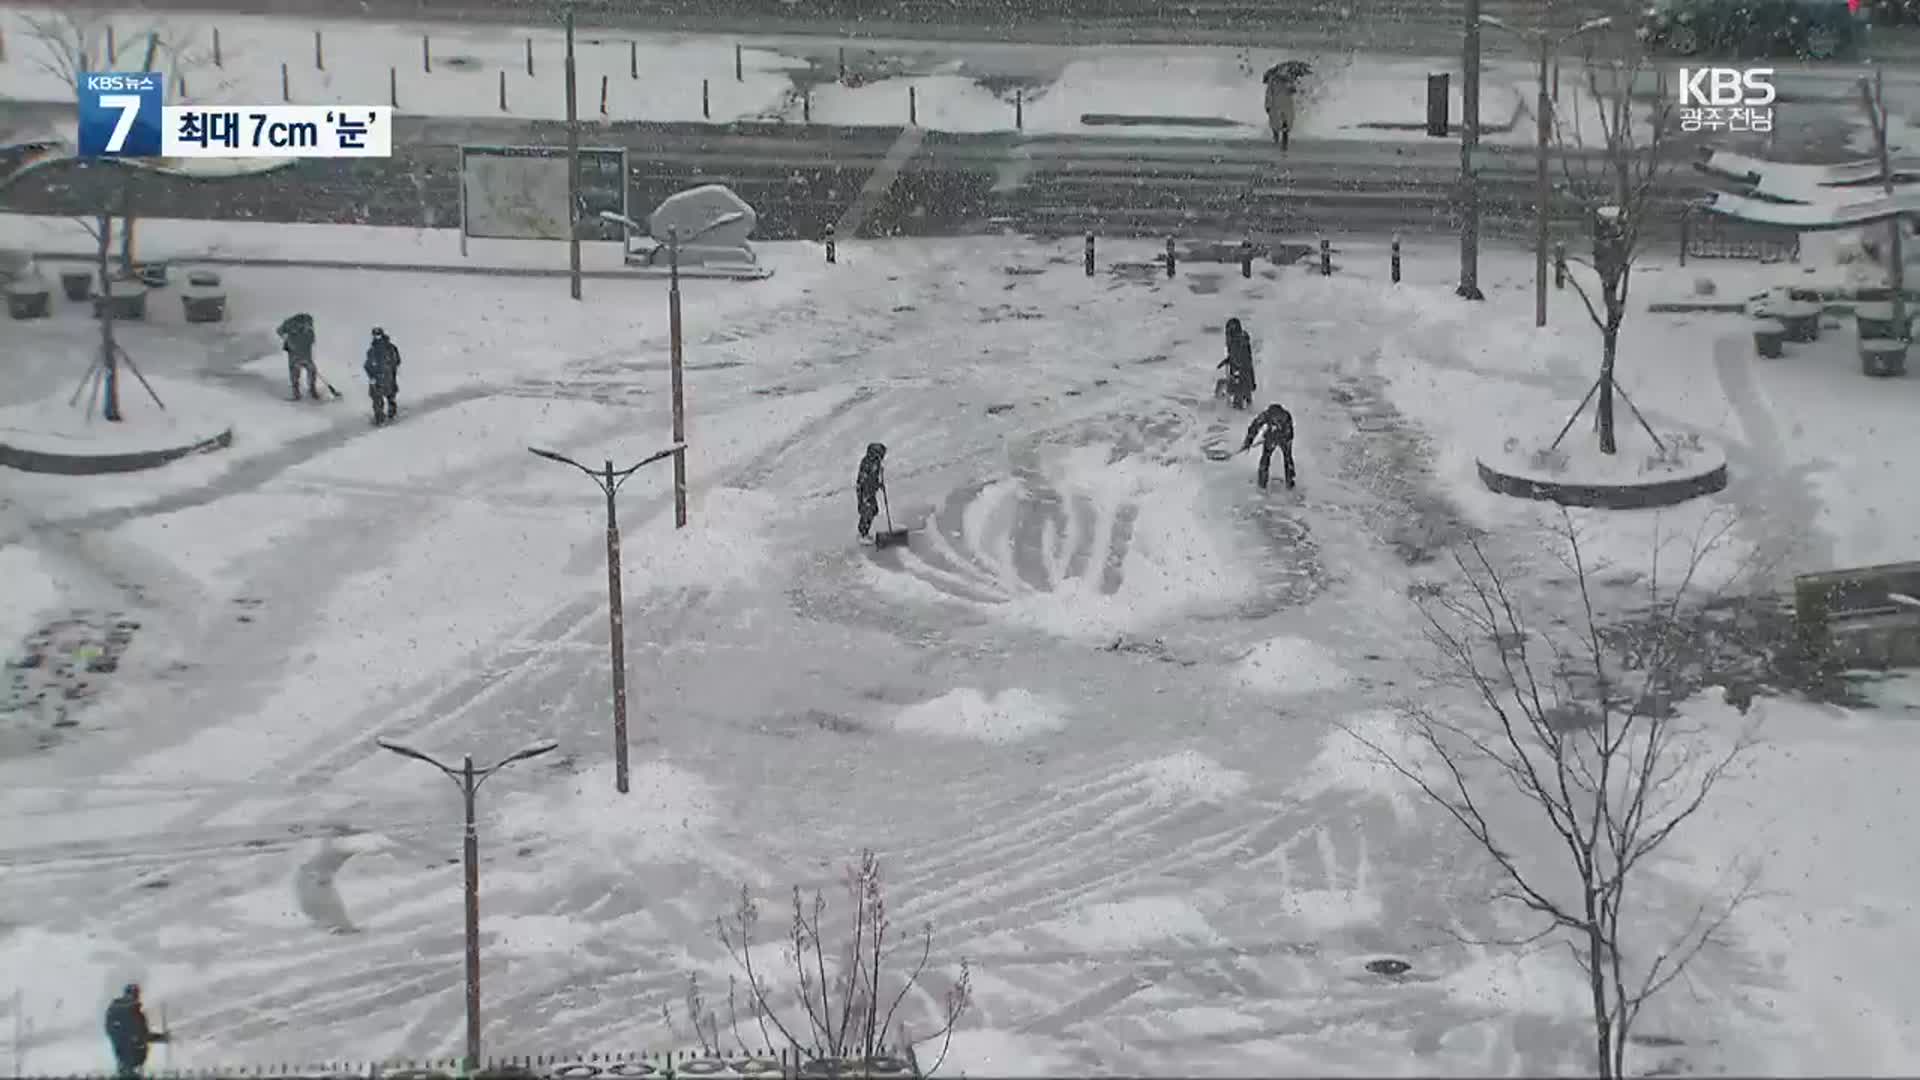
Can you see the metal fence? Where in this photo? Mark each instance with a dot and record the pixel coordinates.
(1707, 235)
(788, 1065)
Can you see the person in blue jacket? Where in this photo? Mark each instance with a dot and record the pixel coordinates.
(128, 1031)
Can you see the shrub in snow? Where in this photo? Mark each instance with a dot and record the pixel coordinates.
(848, 1003)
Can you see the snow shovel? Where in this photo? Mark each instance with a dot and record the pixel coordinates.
(323, 382)
(889, 536)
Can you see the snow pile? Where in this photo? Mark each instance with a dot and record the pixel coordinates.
(1291, 665)
(1171, 563)
(664, 818)
(1189, 776)
(31, 592)
(1132, 924)
(1009, 716)
(725, 543)
(1346, 766)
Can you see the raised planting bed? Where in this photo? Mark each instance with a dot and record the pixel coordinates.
(128, 300)
(1769, 338)
(77, 284)
(1883, 357)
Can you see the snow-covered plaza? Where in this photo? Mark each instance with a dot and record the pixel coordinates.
(1096, 718)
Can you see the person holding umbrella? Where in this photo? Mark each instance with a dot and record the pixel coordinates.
(1283, 82)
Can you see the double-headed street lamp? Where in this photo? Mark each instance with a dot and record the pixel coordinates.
(609, 483)
(469, 780)
(1546, 46)
(674, 351)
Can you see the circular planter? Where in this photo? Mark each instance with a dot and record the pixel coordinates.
(77, 284)
(1875, 320)
(1512, 471)
(1800, 317)
(127, 304)
(1883, 357)
(1769, 338)
(204, 306)
(29, 303)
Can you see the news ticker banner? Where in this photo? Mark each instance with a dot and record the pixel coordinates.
(125, 114)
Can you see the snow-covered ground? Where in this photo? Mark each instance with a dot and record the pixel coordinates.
(660, 76)
(1094, 717)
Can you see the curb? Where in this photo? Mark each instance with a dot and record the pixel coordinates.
(40, 461)
(635, 274)
(1606, 496)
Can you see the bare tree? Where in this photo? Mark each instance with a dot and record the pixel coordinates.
(848, 1005)
(1579, 727)
(1615, 198)
(1873, 96)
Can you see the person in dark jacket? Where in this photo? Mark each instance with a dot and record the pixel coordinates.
(1238, 364)
(869, 484)
(383, 375)
(1274, 428)
(296, 337)
(128, 1032)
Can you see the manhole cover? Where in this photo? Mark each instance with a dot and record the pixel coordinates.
(1389, 967)
(460, 63)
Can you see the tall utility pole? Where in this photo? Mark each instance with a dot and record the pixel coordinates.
(573, 165)
(1469, 141)
(469, 779)
(1875, 98)
(1547, 47)
(609, 482)
(679, 400)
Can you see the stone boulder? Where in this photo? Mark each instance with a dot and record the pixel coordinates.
(695, 216)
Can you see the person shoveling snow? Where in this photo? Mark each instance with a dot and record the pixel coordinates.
(870, 495)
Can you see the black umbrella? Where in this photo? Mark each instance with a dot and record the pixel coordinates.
(1288, 71)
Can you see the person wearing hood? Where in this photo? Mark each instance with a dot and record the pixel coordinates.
(383, 376)
(868, 485)
(128, 1031)
(1238, 364)
(1274, 428)
(296, 337)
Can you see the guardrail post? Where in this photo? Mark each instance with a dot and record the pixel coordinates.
(393, 87)
(603, 95)
(1019, 110)
(633, 59)
(739, 64)
(217, 60)
(503, 91)
(319, 54)
(426, 54)
(529, 56)
(913, 108)
(706, 100)
(286, 90)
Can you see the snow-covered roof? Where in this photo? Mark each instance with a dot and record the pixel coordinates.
(1831, 214)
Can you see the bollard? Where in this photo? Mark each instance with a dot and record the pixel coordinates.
(1089, 254)
(1686, 235)
(1019, 111)
(286, 91)
(843, 65)
(1559, 266)
(426, 54)
(503, 91)
(633, 59)
(1170, 257)
(217, 62)
(1326, 257)
(319, 54)
(739, 64)
(1246, 258)
(706, 101)
(806, 106)
(180, 83)
(1396, 260)
(830, 246)
(113, 51)
(393, 87)
(913, 108)
(529, 56)
(603, 95)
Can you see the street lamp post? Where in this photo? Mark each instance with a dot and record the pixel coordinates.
(609, 483)
(469, 780)
(675, 353)
(1546, 47)
(1469, 288)
(573, 164)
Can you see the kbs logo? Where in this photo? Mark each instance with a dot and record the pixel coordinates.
(1726, 99)
(120, 113)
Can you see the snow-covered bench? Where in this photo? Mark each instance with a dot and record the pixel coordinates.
(1865, 616)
